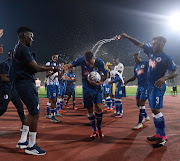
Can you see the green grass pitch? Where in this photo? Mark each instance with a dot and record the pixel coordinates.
(130, 91)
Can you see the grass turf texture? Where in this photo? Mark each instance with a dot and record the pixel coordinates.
(130, 91)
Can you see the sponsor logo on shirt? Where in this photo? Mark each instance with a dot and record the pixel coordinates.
(86, 72)
(152, 63)
(140, 71)
(142, 66)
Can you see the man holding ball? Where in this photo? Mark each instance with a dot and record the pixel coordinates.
(92, 94)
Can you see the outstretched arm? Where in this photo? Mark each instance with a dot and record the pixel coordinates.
(130, 80)
(39, 68)
(133, 40)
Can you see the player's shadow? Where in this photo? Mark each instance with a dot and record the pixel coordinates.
(8, 133)
(128, 140)
(10, 150)
(159, 152)
(3, 119)
(76, 123)
(74, 115)
(121, 147)
(156, 153)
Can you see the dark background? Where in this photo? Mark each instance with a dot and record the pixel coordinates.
(72, 27)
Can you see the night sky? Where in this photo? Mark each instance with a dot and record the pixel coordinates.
(72, 27)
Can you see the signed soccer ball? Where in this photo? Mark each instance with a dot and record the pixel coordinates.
(94, 76)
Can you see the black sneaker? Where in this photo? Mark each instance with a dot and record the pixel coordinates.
(154, 138)
(161, 142)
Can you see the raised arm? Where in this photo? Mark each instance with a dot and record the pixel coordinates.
(133, 40)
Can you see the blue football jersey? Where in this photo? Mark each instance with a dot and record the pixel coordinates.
(118, 81)
(70, 83)
(98, 66)
(140, 71)
(62, 82)
(158, 64)
(107, 88)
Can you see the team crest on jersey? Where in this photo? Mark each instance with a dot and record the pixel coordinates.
(152, 63)
(158, 59)
(95, 69)
(38, 107)
(140, 71)
(5, 96)
(142, 66)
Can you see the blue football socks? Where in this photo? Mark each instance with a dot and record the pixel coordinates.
(159, 124)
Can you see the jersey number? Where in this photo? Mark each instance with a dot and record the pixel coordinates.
(107, 89)
(157, 100)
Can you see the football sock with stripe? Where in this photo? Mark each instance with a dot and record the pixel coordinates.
(159, 124)
(58, 105)
(92, 121)
(144, 111)
(118, 104)
(52, 113)
(113, 101)
(61, 103)
(99, 116)
(109, 102)
(140, 114)
(48, 108)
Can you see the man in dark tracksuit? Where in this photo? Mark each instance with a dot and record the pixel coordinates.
(8, 92)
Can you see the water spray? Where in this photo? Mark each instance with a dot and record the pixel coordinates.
(101, 42)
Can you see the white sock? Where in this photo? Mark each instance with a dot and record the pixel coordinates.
(24, 134)
(32, 139)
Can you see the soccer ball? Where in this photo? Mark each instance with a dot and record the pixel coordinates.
(94, 77)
